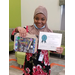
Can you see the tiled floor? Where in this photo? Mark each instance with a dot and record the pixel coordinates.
(55, 70)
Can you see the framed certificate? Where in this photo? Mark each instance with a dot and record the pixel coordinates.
(49, 41)
(27, 44)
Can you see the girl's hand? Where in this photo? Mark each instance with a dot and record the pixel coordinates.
(22, 32)
(59, 50)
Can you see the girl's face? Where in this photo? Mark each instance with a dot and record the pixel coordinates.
(40, 20)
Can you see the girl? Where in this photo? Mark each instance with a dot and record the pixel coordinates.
(32, 65)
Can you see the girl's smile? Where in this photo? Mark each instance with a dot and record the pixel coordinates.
(40, 20)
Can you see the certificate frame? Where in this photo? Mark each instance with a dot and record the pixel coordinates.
(49, 41)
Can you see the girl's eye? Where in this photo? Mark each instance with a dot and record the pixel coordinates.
(37, 18)
(42, 19)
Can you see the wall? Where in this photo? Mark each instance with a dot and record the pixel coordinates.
(54, 12)
(14, 13)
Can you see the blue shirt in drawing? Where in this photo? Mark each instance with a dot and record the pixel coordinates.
(44, 38)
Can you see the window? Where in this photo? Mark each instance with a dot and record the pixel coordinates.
(62, 17)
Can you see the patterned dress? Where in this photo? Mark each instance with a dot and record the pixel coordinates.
(36, 64)
(33, 66)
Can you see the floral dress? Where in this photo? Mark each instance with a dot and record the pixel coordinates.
(33, 66)
(36, 64)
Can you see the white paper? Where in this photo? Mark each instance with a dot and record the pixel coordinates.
(49, 41)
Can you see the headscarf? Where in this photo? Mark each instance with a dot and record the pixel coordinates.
(32, 29)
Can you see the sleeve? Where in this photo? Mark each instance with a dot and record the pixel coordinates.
(26, 27)
(53, 51)
(13, 33)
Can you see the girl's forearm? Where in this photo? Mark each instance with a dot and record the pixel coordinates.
(16, 29)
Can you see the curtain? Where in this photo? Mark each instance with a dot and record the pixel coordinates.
(61, 2)
(63, 18)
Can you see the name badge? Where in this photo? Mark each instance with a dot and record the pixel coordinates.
(41, 57)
